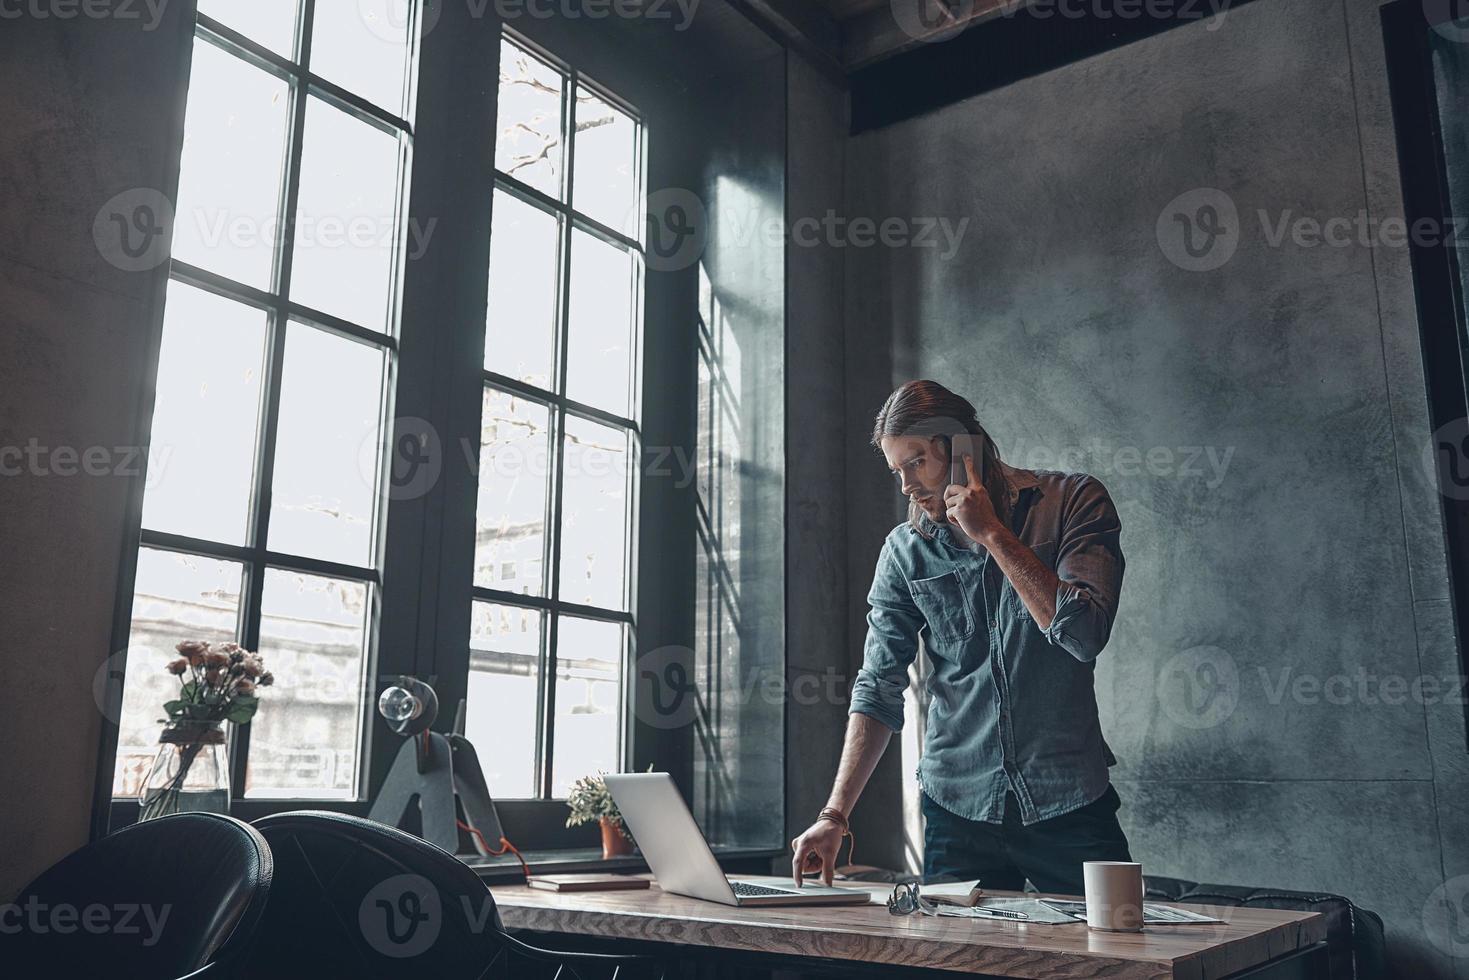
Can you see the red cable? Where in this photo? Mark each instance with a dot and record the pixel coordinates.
(490, 851)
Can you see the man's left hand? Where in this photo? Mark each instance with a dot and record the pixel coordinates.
(969, 507)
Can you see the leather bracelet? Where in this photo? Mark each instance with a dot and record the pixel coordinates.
(835, 816)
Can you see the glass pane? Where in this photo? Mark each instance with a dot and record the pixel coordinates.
(599, 341)
(327, 448)
(270, 22)
(346, 222)
(363, 47)
(510, 523)
(305, 738)
(176, 597)
(594, 515)
(528, 147)
(500, 714)
(202, 459)
(521, 335)
(228, 217)
(588, 701)
(604, 183)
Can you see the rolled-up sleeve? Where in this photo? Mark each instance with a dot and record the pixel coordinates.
(893, 622)
(1089, 563)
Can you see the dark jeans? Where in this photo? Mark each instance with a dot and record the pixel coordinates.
(1002, 856)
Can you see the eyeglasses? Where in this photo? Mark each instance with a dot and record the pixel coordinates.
(905, 900)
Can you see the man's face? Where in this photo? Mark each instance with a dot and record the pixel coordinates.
(921, 466)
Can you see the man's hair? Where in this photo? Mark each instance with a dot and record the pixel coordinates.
(928, 409)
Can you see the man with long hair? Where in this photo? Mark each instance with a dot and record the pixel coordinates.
(1010, 579)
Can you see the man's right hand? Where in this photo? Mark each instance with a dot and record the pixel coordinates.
(816, 850)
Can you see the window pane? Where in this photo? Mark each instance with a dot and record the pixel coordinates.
(510, 523)
(326, 452)
(363, 47)
(305, 738)
(270, 22)
(599, 344)
(345, 223)
(176, 597)
(230, 176)
(500, 713)
(202, 458)
(604, 183)
(529, 144)
(594, 515)
(521, 335)
(589, 658)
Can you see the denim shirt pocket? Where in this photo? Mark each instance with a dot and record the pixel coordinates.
(1046, 552)
(944, 603)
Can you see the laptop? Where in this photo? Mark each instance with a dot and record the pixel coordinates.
(680, 858)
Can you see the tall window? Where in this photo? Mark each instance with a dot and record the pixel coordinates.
(554, 563)
(263, 514)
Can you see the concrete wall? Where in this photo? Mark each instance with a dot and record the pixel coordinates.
(1305, 540)
(89, 111)
(819, 661)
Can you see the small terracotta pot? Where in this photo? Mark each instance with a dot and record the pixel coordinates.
(614, 843)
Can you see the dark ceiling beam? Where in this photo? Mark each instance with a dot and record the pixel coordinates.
(902, 25)
(803, 26)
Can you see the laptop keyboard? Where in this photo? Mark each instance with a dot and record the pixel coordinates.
(744, 889)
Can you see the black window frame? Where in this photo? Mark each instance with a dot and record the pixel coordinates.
(255, 556)
(560, 407)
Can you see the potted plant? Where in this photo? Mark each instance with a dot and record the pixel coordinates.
(191, 770)
(590, 802)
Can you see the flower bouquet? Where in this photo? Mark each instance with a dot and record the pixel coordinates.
(191, 770)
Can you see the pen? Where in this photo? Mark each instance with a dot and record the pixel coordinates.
(998, 913)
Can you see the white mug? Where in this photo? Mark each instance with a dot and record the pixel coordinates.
(1114, 895)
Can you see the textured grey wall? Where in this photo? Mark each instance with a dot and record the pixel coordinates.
(819, 655)
(88, 111)
(1302, 547)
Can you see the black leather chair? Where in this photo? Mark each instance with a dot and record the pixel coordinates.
(356, 898)
(172, 897)
(1355, 945)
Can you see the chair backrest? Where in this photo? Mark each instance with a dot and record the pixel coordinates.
(1355, 942)
(158, 899)
(357, 898)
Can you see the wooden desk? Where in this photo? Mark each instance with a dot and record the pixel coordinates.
(1249, 939)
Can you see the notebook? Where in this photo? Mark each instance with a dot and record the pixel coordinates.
(586, 883)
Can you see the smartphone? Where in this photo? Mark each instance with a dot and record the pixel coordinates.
(961, 445)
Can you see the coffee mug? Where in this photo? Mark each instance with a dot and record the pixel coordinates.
(1114, 895)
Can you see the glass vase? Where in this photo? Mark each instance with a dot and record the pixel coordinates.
(191, 772)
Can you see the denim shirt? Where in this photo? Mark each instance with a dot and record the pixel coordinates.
(1011, 705)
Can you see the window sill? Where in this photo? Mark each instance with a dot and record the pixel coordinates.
(505, 869)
